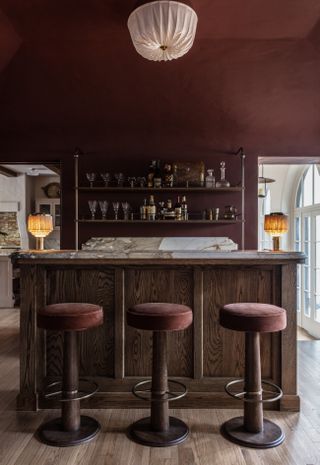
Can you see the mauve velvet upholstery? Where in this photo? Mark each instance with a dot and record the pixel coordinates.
(70, 317)
(159, 316)
(262, 318)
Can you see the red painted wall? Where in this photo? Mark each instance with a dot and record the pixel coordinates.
(74, 79)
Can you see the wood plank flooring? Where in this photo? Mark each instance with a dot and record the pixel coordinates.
(204, 447)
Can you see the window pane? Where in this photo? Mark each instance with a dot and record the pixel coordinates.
(318, 228)
(318, 255)
(317, 287)
(297, 229)
(317, 309)
(316, 183)
(307, 188)
(307, 278)
(307, 228)
(307, 304)
(299, 196)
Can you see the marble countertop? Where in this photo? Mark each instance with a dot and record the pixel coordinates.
(157, 248)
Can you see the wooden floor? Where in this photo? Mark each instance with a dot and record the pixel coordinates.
(204, 447)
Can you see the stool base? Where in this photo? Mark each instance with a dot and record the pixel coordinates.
(52, 433)
(271, 436)
(141, 432)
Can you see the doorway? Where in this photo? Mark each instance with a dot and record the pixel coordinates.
(296, 192)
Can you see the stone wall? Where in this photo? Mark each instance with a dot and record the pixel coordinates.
(9, 225)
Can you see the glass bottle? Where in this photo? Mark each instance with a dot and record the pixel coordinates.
(144, 210)
(150, 175)
(178, 210)
(210, 179)
(152, 209)
(157, 178)
(184, 208)
(169, 213)
(223, 182)
(168, 175)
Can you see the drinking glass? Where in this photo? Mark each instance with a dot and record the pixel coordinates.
(103, 204)
(106, 178)
(131, 181)
(93, 208)
(141, 181)
(116, 209)
(126, 210)
(91, 178)
(120, 179)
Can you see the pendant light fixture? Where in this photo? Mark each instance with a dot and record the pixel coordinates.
(262, 184)
(163, 30)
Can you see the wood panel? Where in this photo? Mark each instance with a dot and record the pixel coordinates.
(96, 346)
(158, 285)
(224, 354)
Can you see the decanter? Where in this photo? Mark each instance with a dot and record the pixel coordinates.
(223, 182)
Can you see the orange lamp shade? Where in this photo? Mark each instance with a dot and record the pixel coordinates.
(276, 224)
(40, 225)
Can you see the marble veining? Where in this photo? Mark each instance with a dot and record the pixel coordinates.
(154, 244)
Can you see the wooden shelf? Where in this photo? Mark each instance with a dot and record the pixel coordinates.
(160, 189)
(162, 221)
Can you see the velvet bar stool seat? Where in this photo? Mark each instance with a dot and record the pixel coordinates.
(252, 430)
(71, 429)
(159, 430)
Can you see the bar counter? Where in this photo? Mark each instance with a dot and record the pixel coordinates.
(204, 357)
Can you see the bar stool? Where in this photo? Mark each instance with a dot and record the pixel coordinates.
(159, 430)
(71, 429)
(252, 430)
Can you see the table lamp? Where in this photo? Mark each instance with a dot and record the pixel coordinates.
(40, 225)
(276, 224)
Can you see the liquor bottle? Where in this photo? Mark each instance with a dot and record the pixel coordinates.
(151, 209)
(144, 210)
(150, 175)
(210, 179)
(157, 178)
(178, 210)
(184, 208)
(169, 213)
(223, 182)
(168, 175)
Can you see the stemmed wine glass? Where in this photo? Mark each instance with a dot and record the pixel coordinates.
(126, 210)
(93, 208)
(120, 179)
(91, 178)
(106, 178)
(103, 204)
(116, 209)
(141, 181)
(131, 181)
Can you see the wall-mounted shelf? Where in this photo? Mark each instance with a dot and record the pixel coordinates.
(101, 189)
(159, 190)
(162, 221)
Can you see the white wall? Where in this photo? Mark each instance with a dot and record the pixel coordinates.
(283, 193)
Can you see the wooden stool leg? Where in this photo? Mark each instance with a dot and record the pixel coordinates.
(71, 429)
(253, 411)
(252, 430)
(70, 382)
(159, 409)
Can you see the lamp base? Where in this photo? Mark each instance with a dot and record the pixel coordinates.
(276, 243)
(40, 243)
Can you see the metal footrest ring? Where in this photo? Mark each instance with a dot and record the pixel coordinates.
(241, 395)
(78, 394)
(168, 396)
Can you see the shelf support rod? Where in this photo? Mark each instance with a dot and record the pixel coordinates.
(76, 154)
(242, 156)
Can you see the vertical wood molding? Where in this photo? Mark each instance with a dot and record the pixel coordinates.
(119, 321)
(198, 323)
(289, 335)
(32, 346)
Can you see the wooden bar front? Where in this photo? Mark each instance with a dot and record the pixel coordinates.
(116, 356)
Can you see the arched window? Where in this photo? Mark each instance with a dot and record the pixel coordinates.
(307, 239)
